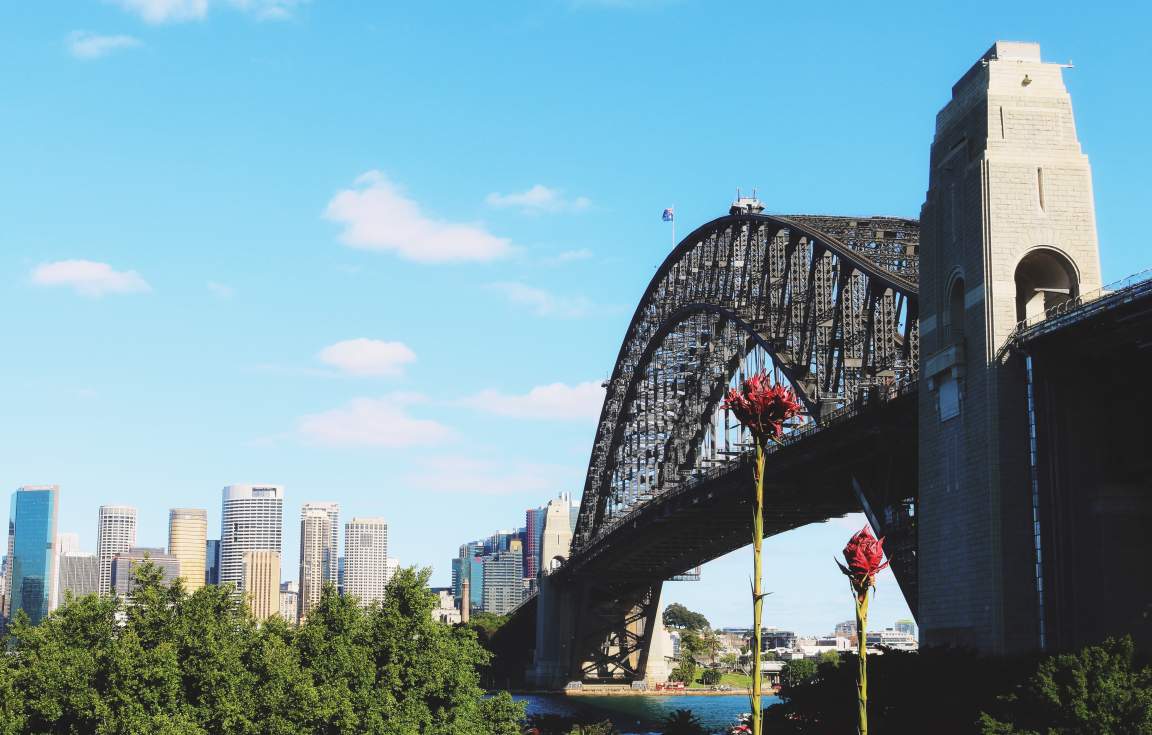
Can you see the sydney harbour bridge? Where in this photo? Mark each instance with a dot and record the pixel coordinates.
(942, 364)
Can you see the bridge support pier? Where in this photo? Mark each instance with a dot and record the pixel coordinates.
(597, 633)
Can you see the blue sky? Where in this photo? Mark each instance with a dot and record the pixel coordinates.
(383, 253)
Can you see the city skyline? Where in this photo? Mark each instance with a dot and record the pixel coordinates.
(228, 249)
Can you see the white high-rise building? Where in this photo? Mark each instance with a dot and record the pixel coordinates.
(115, 534)
(366, 559)
(66, 543)
(332, 547)
(251, 519)
(314, 541)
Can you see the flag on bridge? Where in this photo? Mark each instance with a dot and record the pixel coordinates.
(669, 215)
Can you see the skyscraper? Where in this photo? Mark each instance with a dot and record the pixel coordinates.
(187, 536)
(503, 581)
(332, 547)
(251, 519)
(314, 541)
(31, 569)
(79, 575)
(533, 534)
(366, 559)
(124, 567)
(289, 601)
(260, 580)
(212, 561)
(115, 534)
(66, 543)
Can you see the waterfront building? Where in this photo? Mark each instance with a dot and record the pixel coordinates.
(260, 580)
(314, 535)
(187, 536)
(366, 562)
(331, 566)
(503, 581)
(906, 626)
(124, 565)
(289, 601)
(212, 561)
(533, 535)
(115, 534)
(252, 519)
(79, 575)
(31, 570)
(891, 638)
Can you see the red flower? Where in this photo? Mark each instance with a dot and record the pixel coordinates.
(865, 557)
(761, 407)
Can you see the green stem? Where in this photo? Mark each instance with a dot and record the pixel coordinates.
(862, 671)
(757, 592)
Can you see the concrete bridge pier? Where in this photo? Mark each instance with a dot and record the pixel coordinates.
(555, 632)
(594, 632)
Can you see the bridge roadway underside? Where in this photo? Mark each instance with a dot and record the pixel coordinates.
(1093, 409)
(808, 481)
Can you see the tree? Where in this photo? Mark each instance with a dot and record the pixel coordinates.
(678, 616)
(710, 677)
(798, 671)
(174, 663)
(1096, 691)
(682, 722)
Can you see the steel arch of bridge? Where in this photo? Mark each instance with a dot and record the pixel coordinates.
(829, 303)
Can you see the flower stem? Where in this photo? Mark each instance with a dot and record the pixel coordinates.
(757, 592)
(862, 671)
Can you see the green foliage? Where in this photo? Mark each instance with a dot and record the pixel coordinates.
(710, 677)
(173, 663)
(933, 691)
(678, 616)
(1099, 690)
(682, 722)
(685, 670)
(799, 671)
(551, 724)
(828, 657)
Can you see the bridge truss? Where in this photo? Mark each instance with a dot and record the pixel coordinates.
(827, 305)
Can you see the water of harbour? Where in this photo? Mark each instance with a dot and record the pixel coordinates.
(643, 714)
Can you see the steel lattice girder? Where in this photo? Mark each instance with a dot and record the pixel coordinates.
(832, 300)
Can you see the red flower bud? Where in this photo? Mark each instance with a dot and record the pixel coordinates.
(761, 407)
(865, 557)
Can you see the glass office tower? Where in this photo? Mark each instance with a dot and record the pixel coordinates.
(31, 572)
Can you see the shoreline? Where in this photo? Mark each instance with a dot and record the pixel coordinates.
(629, 692)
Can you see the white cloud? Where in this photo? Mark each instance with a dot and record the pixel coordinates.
(541, 302)
(459, 474)
(220, 290)
(166, 11)
(557, 401)
(377, 216)
(89, 278)
(368, 356)
(539, 198)
(88, 45)
(373, 422)
(569, 256)
(180, 11)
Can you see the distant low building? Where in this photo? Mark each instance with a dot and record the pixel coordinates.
(445, 610)
(892, 638)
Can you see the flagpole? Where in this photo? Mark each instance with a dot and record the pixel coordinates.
(673, 227)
